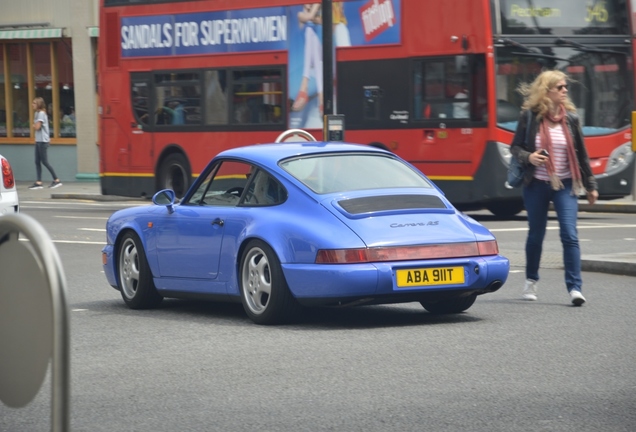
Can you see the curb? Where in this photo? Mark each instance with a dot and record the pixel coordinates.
(607, 208)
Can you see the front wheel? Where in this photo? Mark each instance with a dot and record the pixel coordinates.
(264, 292)
(449, 306)
(135, 279)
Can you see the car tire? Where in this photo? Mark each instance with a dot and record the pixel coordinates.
(264, 292)
(174, 173)
(450, 306)
(134, 276)
(506, 209)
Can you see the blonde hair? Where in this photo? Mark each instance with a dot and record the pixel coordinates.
(536, 93)
(39, 104)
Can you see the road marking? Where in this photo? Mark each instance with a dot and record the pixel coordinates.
(81, 217)
(79, 242)
(92, 229)
(556, 228)
(72, 242)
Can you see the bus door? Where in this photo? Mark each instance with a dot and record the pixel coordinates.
(140, 145)
(450, 104)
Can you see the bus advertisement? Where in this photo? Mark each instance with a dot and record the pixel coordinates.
(435, 82)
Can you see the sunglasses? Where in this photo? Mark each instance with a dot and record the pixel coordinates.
(561, 87)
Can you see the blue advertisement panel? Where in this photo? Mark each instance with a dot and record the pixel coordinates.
(204, 33)
(356, 23)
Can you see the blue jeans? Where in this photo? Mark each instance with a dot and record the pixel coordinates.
(537, 196)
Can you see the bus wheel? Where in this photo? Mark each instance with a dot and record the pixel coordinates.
(506, 209)
(174, 173)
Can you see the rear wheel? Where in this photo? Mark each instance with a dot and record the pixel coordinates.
(174, 173)
(264, 292)
(449, 306)
(135, 279)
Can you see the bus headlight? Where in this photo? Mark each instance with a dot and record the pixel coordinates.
(619, 159)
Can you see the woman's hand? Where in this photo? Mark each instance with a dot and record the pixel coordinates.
(537, 159)
(592, 196)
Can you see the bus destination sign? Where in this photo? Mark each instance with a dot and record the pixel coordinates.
(559, 14)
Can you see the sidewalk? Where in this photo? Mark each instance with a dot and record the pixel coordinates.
(618, 263)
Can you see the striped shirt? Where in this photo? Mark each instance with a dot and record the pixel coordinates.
(558, 157)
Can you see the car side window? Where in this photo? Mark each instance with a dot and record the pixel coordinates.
(264, 190)
(223, 185)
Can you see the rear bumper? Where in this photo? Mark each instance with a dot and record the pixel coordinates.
(314, 284)
(9, 202)
(108, 263)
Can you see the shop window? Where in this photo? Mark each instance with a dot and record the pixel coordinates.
(66, 85)
(19, 89)
(43, 78)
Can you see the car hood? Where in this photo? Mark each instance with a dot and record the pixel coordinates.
(402, 219)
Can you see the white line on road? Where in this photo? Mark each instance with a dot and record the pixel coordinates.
(72, 242)
(81, 217)
(556, 228)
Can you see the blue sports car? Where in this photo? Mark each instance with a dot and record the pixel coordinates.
(284, 226)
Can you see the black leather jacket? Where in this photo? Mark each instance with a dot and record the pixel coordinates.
(521, 150)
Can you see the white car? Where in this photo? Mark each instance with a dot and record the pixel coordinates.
(9, 202)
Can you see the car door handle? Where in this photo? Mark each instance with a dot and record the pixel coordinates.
(218, 221)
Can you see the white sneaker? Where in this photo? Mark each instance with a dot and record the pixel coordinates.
(577, 297)
(530, 290)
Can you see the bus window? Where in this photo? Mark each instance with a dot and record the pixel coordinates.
(257, 97)
(450, 88)
(139, 94)
(216, 109)
(178, 99)
(601, 84)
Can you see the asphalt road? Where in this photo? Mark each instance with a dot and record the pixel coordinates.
(504, 365)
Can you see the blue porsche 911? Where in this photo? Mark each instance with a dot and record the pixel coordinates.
(284, 226)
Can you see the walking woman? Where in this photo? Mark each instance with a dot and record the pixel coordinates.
(557, 171)
(42, 139)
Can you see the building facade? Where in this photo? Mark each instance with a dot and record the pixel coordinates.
(48, 49)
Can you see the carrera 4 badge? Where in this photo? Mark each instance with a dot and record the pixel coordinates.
(414, 224)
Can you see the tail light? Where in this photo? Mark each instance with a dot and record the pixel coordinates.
(7, 175)
(404, 253)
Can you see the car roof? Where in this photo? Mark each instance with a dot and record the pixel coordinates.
(270, 154)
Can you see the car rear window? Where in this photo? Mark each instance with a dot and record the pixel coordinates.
(331, 173)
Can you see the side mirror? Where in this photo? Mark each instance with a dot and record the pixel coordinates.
(165, 198)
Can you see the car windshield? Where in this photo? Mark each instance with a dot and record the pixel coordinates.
(601, 87)
(331, 173)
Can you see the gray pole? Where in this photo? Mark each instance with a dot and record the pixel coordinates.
(327, 56)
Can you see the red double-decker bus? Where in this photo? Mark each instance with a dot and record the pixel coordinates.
(433, 81)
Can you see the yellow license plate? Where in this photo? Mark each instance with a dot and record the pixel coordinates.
(429, 276)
